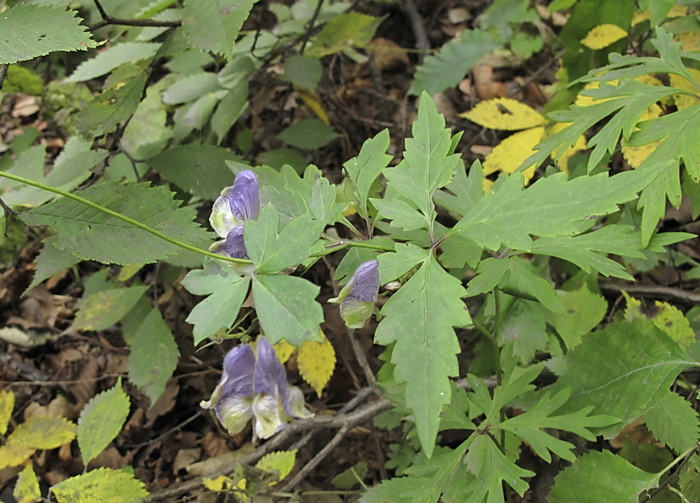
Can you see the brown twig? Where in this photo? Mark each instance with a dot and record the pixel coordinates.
(9, 212)
(108, 20)
(653, 291)
(3, 73)
(422, 43)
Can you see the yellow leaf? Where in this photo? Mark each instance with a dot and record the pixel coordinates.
(43, 432)
(316, 362)
(504, 113)
(281, 462)
(27, 487)
(676, 11)
(579, 146)
(487, 185)
(690, 40)
(635, 156)
(666, 317)
(7, 403)
(603, 36)
(683, 100)
(13, 455)
(224, 483)
(284, 350)
(508, 155)
(128, 271)
(313, 101)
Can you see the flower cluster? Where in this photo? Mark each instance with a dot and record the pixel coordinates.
(358, 297)
(235, 204)
(255, 386)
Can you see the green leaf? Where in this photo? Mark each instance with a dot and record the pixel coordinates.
(308, 134)
(419, 319)
(50, 261)
(226, 292)
(673, 421)
(509, 214)
(229, 110)
(428, 165)
(347, 30)
(199, 169)
(101, 420)
(364, 169)
(393, 265)
(191, 87)
(29, 31)
(287, 308)
(96, 235)
(103, 309)
(102, 484)
(601, 476)
(272, 250)
(583, 311)
(447, 67)
(147, 133)
(303, 71)
(111, 58)
(609, 363)
(213, 26)
(153, 357)
(524, 327)
(463, 192)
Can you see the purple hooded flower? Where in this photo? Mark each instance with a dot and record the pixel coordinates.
(255, 387)
(235, 204)
(357, 298)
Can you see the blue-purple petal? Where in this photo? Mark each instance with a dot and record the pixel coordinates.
(244, 199)
(270, 377)
(239, 365)
(364, 284)
(233, 245)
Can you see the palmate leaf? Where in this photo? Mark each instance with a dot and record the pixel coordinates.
(623, 356)
(420, 318)
(33, 30)
(364, 169)
(92, 234)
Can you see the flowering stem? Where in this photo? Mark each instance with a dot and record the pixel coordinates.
(341, 245)
(124, 218)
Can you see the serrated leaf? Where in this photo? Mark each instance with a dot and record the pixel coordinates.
(602, 36)
(153, 357)
(308, 134)
(287, 309)
(214, 25)
(505, 114)
(7, 403)
(621, 357)
(420, 318)
(303, 71)
(447, 67)
(509, 155)
(111, 58)
(101, 420)
(191, 87)
(43, 432)
(96, 235)
(226, 292)
(199, 169)
(34, 30)
(601, 476)
(523, 327)
(351, 29)
(147, 132)
(583, 311)
(673, 421)
(284, 350)
(316, 361)
(14, 455)
(364, 169)
(281, 462)
(27, 488)
(102, 485)
(103, 309)
(666, 317)
(113, 106)
(393, 265)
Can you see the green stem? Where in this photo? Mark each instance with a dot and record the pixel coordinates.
(341, 245)
(124, 218)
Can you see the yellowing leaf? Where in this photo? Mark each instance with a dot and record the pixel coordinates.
(283, 350)
(7, 403)
(676, 11)
(665, 316)
(316, 362)
(43, 432)
(224, 483)
(690, 40)
(13, 455)
(27, 487)
(313, 101)
(102, 485)
(579, 146)
(683, 100)
(512, 152)
(486, 185)
(281, 462)
(504, 113)
(635, 156)
(603, 36)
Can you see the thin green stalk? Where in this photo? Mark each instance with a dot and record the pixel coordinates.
(123, 218)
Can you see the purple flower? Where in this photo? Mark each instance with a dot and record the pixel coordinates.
(255, 387)
(357, 298)
(235, 204)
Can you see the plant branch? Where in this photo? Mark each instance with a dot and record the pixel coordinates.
(108, 20)
(653, 291)
(3, 73)
(8, 212)
(124, 218)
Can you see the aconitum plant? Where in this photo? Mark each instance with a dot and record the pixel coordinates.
(358, 297)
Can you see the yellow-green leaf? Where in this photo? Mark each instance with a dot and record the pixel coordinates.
(102, 485)
(284, 350)
(13, 455)
(224, 483)
(504, 113)
(43, 432)
(685, 100)
(508, 155)
(27, 487)
(281, 462)
(103, 309)
(316, 362)
(665, 316)
(603, 35)
(7, 403)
